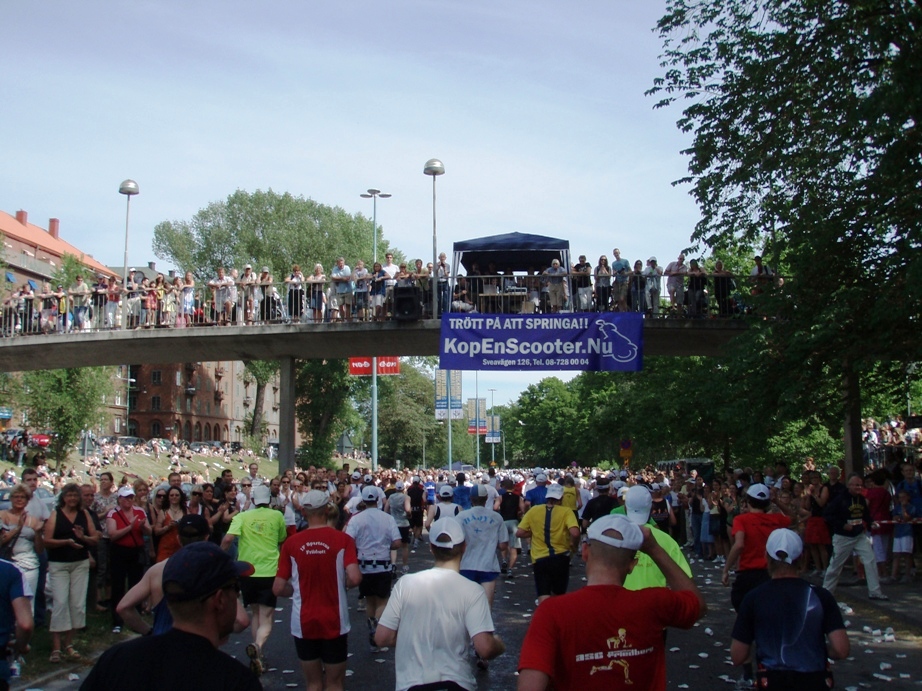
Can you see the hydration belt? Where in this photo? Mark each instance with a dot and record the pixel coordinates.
(375, 562)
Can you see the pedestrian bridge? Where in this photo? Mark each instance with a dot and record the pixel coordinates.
(670, 337)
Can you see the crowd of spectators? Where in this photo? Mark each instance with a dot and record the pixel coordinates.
(346, 293)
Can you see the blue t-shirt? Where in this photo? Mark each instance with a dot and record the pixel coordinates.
(788, 620)
(463, 497)
(12, 587)
(537, 495)
(903, 529)
(430, 492)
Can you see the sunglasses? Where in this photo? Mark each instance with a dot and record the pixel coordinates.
(246, 484)
(160, 496)
(196, 494)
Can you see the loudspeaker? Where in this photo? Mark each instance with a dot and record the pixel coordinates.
(406, 303)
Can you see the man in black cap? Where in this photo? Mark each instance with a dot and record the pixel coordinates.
(200, 584)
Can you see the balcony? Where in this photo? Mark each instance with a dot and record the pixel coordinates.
(247, 402)
(190, 390)
(218, 395)
(218, 372)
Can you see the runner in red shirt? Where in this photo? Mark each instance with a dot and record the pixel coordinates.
(316, 566)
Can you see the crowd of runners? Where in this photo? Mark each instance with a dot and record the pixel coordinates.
(309, 535)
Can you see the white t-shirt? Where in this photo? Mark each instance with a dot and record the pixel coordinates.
(373, 531)
(436, 613)
(484, 530)
(492, 495)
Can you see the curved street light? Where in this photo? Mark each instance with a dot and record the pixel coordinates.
(129, 188)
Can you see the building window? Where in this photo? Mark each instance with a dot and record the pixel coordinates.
(155, 429)
(178, 378)
(188, 404)
(156, 377)
(155, 402)
(118, 398)
(133, 401)
(118, 425)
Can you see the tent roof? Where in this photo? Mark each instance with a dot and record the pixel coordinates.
(516, 251)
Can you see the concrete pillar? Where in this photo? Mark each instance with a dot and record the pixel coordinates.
(286, 414)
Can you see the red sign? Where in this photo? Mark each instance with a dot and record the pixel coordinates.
(361, 366)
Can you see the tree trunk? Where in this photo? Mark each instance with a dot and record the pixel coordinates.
(258, 402)
(854, 456)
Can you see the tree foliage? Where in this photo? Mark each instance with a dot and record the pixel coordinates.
(265, 228)
(65, 401)
(804, 117)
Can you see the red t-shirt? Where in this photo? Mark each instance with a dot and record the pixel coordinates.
(620, 647)
(134, 537)
(757, 527)
(316, 559)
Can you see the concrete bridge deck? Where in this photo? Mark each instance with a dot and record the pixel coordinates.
(671, 337)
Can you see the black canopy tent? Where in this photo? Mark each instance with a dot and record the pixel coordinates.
(515, 251)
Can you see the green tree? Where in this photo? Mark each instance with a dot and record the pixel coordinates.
(260, 372)
(805, 122)
(322, 399)
(66, 401)
(265, 228)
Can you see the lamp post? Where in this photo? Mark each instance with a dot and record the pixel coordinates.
(434, 167)
(492, 430)
(373, 194)
(129, 188)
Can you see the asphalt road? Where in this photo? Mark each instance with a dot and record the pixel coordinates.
(697, 658)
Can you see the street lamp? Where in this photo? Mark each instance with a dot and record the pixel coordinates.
(434, 167)
(373, 194)
(129, 188)
(492, 430)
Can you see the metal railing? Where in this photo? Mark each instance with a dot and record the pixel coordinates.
(372, 299)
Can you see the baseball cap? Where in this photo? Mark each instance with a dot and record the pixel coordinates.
(554, 492)
(784, 545)
(416, 478)
(637, 504)
(400, 485)
(247, 266)
(370, 493)
(368, 479)
(315, 499)
(602, 483)
(622, 491)
(479, 492)
(449, 527)
(540, 477)
(446, 491)
(193, 525)
(200, 569)
(628, 535)
(356, 475)
(261, 495)
(125, 491)
(265, 269)
(758, 491)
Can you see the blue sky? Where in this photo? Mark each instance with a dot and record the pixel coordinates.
(536, 109)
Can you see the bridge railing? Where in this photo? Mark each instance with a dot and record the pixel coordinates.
(310, 301)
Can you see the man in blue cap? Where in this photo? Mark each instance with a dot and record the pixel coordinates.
(200, 584)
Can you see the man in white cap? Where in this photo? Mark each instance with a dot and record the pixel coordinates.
(261, 531)
(554, 535)
(375, 534)
(793, 624)
(444, 506)
(638, 504)
(623, 642)
(315, 568)
(749, 534)
(437, 612)
(536, 495)
(484, 532)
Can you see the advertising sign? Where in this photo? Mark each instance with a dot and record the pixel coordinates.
(442, 398)
(361, 366)
(604, 342)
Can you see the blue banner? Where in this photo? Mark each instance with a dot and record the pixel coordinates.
(601, 342)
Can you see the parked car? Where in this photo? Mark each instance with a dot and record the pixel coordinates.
(46, 497)
(40, 439)
(130, 441)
